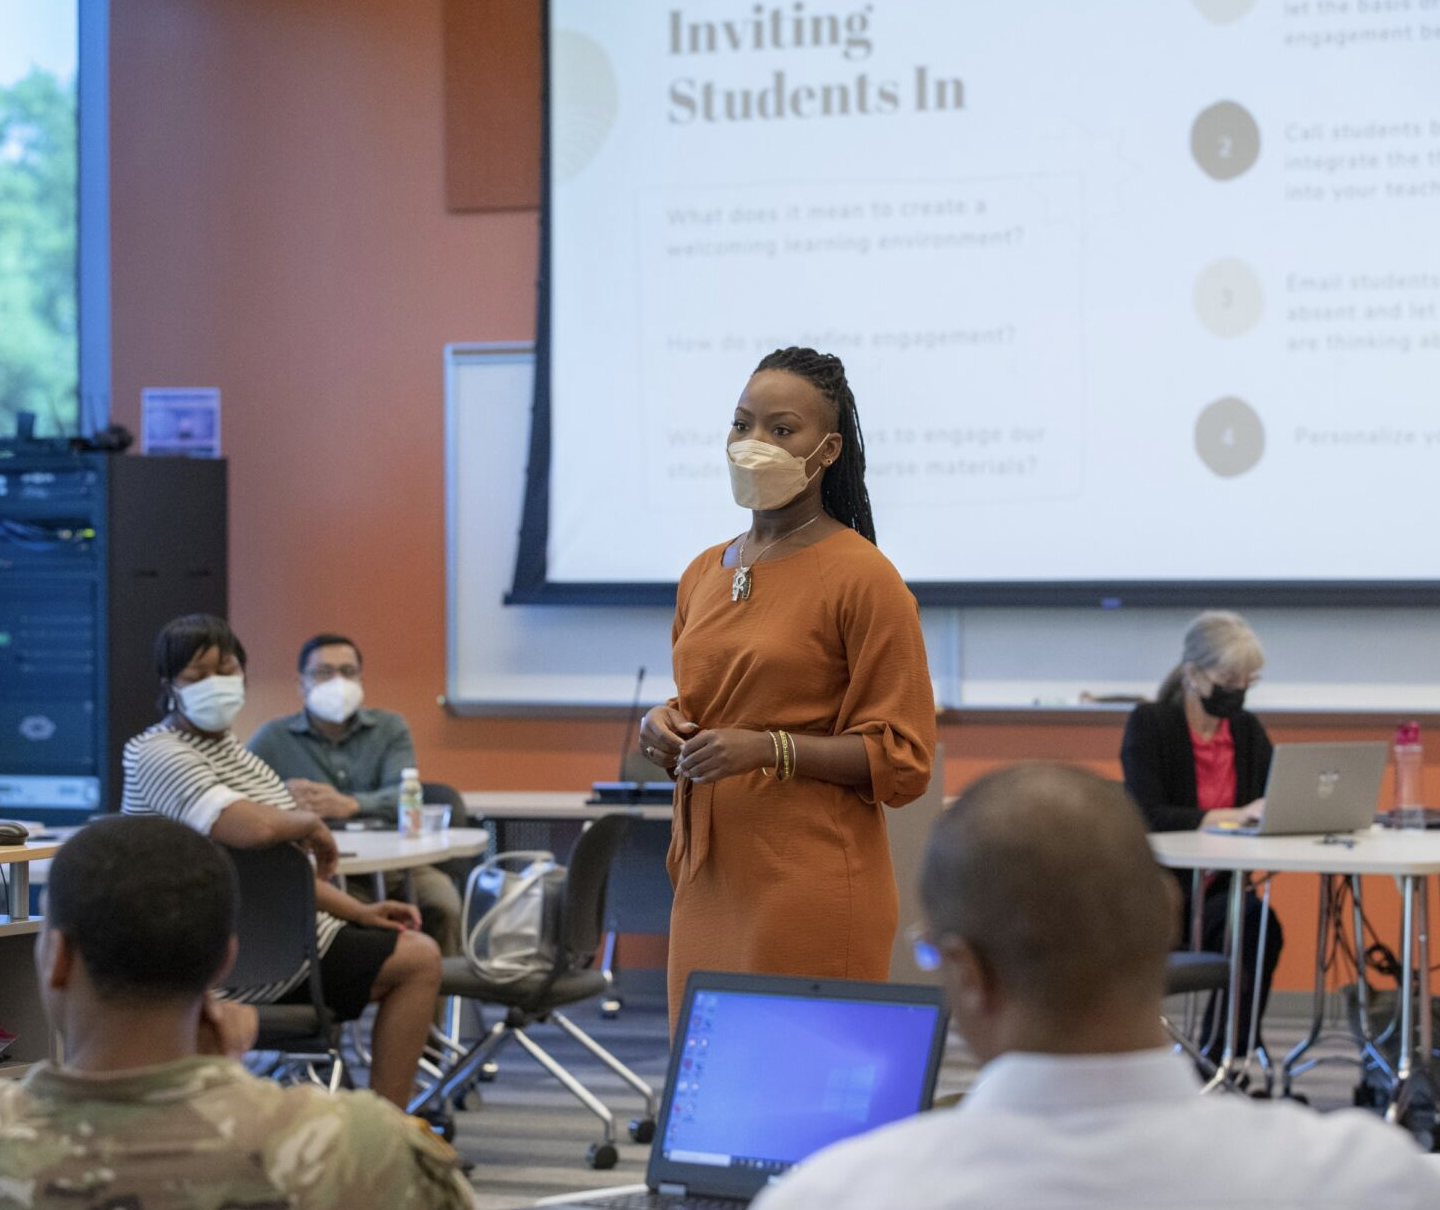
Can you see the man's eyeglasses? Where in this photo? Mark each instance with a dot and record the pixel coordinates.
(925, 951)
(323, 672)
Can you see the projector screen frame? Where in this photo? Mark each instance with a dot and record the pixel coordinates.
(531, 584)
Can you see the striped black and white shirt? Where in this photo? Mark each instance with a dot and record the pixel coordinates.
(191, 779)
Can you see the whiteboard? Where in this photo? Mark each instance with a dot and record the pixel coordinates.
(542, 658)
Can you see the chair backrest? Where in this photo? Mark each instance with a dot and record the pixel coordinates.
(439, 793)
(277, 914)
(582, 916)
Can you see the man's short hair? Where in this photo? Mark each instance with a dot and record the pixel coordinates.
(1046, 872)
(149, 905)
(327, 640)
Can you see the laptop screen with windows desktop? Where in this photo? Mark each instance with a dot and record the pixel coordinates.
(768, 1071)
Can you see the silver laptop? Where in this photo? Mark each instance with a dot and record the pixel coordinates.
(768, 1070)
(1319, 788)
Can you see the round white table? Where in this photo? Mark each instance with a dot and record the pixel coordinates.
(1411, 858)
(378, 853)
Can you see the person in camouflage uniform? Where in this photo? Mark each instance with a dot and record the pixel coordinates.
(150, 1110)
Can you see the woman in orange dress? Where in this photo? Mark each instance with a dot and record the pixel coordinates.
(805, 704)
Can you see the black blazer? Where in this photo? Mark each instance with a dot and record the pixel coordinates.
(1159, 764)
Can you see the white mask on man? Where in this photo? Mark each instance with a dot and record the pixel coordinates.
(765, 477)
(335, 700)
(213, 703)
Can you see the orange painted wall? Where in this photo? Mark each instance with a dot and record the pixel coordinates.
(279, 230)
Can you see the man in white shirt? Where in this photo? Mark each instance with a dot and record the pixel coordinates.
(1051, 923)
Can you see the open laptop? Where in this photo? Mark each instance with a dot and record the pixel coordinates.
(1319, 788)
(767, 1070)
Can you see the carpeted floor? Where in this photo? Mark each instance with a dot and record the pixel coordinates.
(527, 1137)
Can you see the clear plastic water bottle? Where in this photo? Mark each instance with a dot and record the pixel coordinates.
(410, 812)
(1409, 758)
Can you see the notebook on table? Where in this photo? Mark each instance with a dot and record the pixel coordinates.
(767, 1070)
(1318, 788)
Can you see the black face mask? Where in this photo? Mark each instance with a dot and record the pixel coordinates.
(1221, 702)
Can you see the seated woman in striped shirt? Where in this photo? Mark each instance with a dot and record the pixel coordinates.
(190, 768)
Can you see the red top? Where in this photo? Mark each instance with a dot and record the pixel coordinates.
(1214, 768)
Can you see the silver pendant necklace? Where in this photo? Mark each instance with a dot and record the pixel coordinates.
(742, 581)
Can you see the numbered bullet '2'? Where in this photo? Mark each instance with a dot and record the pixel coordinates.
(1225, 140)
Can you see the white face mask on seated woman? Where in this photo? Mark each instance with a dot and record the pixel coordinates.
(213, 703)
(765, 477)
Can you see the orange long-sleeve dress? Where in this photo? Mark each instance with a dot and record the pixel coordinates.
(795, 878)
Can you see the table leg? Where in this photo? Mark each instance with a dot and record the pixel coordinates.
(1407, 995)
(1317, 1014)
(1426, 1031)
(20, 890)
(1226, 1071)
(1370, 1050)
(1197, 898)
(1253, 1030)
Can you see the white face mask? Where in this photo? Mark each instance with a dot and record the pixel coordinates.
(765, 477)
(335, 700)
(213, 703)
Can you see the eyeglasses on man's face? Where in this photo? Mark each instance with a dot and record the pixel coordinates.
(323, 672)
(925, 952)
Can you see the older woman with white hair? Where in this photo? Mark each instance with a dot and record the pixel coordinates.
(1196, 756)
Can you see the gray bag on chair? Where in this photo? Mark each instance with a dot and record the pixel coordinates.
(514, 901)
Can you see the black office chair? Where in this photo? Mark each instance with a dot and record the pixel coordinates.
(442, 794)
(538, 998)
(638, 853)
(446, 1040)
(1189, 973)
(277, 934)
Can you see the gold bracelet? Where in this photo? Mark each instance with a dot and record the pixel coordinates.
(776, 769)
(785, 752)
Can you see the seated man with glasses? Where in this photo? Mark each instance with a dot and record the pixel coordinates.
(149, 1108)
(1051, 922)
(342, 760)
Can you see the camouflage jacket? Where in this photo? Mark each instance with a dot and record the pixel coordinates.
(204, 1134)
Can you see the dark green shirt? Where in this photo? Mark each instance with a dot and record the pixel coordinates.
(365, 763)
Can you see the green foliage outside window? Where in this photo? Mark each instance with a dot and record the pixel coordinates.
(39, 349)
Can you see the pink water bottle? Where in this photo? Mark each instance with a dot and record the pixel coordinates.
(1409, 765)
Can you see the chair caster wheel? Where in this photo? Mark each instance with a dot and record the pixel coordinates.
(488, 1071)
(642, 1130)
(610, 1007)
(602, 1155)
(464, 1101)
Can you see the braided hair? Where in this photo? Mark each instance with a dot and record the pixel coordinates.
(842, 491)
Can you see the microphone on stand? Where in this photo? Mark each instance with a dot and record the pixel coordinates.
(627, 791)
(632, 734)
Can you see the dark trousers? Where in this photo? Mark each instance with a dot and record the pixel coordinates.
(1212, 937)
